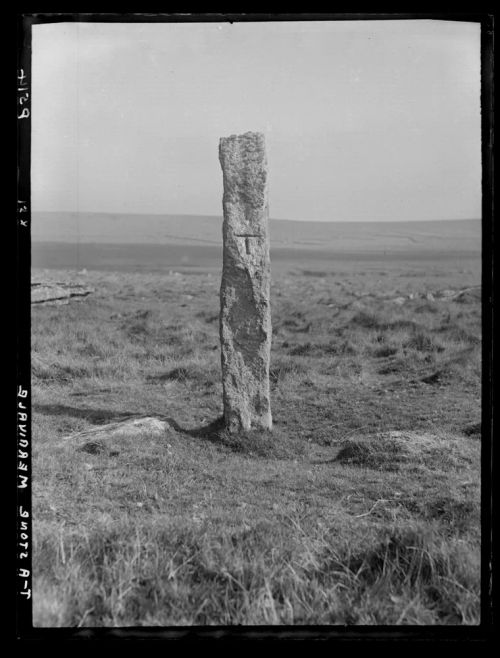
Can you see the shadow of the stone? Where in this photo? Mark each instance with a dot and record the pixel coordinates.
(211, 431)
(97, 416)
(256, 442)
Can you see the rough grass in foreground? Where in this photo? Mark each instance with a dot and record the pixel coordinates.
(266, 574)
(361, 507)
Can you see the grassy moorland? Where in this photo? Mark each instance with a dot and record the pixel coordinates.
(361, 507)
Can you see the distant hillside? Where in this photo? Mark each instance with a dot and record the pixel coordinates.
(107, 228)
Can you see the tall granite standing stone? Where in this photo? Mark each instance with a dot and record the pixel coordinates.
(245, 317)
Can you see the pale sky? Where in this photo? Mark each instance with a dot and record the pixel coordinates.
(364, 120)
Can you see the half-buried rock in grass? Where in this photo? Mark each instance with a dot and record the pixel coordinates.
(379, 452)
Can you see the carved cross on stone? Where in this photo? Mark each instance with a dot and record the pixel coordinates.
(245, 319)
(247, 241)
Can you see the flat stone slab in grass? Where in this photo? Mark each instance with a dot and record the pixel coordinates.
(132, 427)
(465, 294)
(49, 292)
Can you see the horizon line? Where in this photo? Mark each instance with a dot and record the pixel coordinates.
(274, 219)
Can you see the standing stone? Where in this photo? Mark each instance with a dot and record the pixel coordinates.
(245, 317)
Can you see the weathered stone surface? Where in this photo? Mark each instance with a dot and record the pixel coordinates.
(50, 292)
(133, 427)
(245, 317)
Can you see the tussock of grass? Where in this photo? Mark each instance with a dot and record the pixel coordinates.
(182, 373)
(401, 364)
(376, 320)
(304, 350)
(366, 319)
(343, 347)
(384, 351)
(93, 447)
(426, 307)
(459, 335)
(320, 349)
(383, 453)
(423, 342)
(417, 560)
(391, 451)
(285, 368)
(434, 378)
(462, 365)
(457, 514)
(473, 430)
(208, 317)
